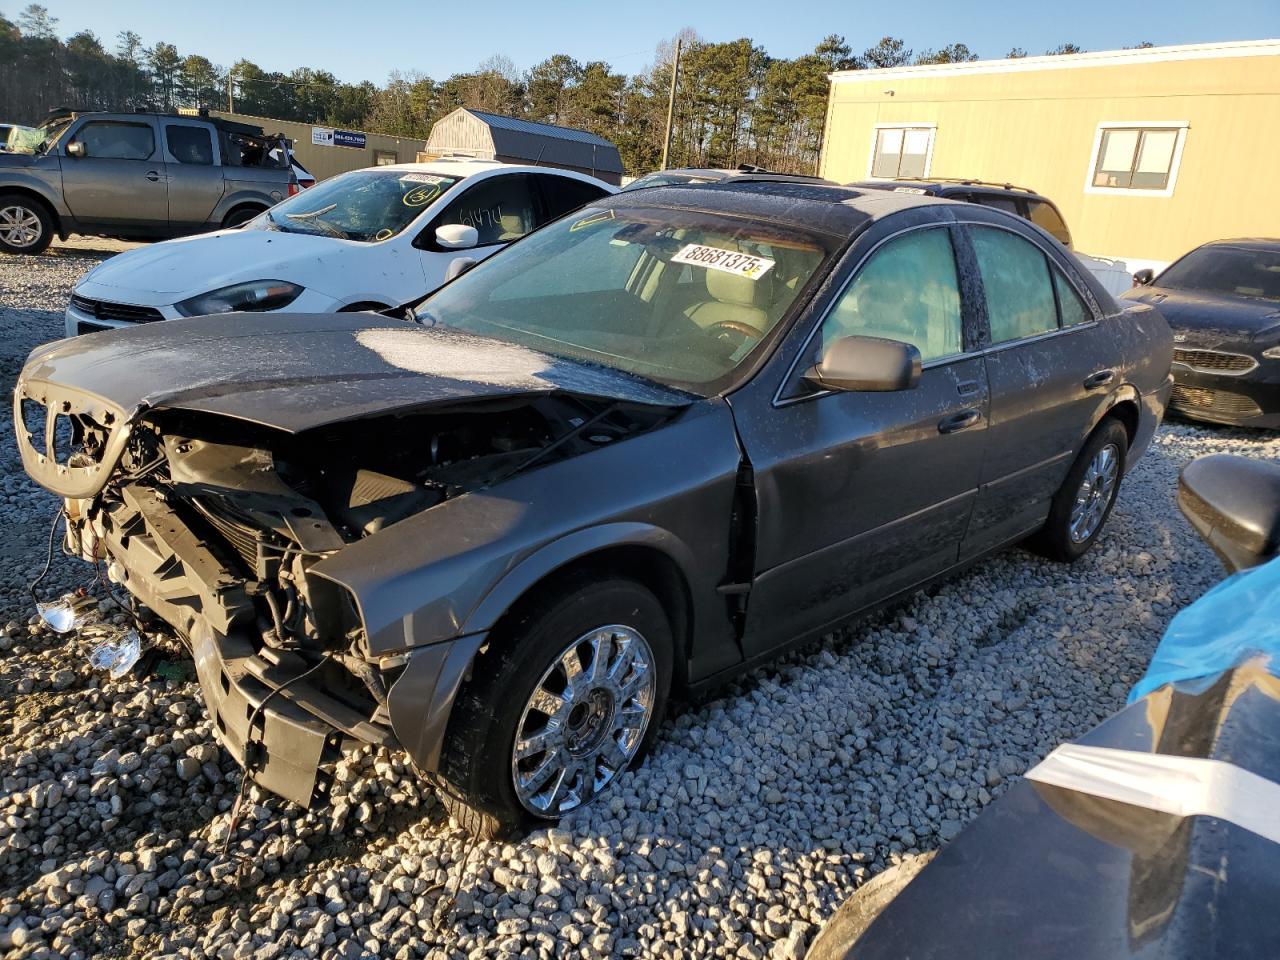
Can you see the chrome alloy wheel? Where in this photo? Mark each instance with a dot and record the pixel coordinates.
(1097, 487)
(19, 227)
(584, 721)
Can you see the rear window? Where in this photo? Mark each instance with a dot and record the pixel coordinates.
(1230, 271)
(1045, 215)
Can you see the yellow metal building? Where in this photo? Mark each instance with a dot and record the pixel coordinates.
(1146, 152)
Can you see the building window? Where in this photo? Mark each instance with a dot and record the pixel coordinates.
(901, 150)
(1136, 158)
(384, 158)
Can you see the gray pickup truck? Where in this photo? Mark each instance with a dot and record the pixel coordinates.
(139, 176)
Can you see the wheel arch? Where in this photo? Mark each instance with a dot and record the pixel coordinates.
(652, 557)
(1124, 407)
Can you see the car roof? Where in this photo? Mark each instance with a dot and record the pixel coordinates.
(941, 186)
(828, 208)
(468, 166)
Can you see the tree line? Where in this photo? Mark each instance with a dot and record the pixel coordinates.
(735, 103)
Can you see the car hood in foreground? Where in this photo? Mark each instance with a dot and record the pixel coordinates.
(1208, 317)
(164, 273)
(294, 372)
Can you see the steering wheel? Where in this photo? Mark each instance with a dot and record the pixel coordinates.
(737, 326)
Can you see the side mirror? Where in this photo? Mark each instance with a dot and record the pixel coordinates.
(76, 149)
(1143, 277)
(866, 363)
(458, 266)
(1234, 504)
(457, 236)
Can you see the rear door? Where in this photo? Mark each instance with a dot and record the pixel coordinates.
(195, 173)
(1050, 362)
(120, 181)
(861, 495)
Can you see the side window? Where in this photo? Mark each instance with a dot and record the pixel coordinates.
(562, 194)
(907, 291)
(189, 144)
(117, 141)
(1015, 275)
(500, 208)
(1007, 204)
(1046, 216)
(1070, 306)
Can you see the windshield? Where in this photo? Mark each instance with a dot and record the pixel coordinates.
(49, 133)
(666, 180)
(1230, 271)
(364, 205)
(677, 296)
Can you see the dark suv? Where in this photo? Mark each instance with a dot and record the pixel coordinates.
(1020, 201)
(139, 176)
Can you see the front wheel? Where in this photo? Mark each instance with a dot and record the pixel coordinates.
(25, 225)
(568, 696)
(1084, 502)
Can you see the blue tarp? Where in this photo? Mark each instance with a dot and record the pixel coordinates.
(1234, 622)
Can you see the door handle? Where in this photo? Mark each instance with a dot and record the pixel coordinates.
(1099, 379)
(958, 421)
(152, 176)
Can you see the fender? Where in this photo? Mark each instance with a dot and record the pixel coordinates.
(229, 202)
(574, 546)
(30, 180)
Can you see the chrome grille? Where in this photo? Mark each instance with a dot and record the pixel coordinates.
(1206, 400)
(1215, 361)
(126, 312)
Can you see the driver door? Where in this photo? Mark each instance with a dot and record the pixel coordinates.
(121, 180)
(501, 208)
(861, 495)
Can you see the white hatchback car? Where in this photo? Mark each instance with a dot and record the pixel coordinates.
(364, 240)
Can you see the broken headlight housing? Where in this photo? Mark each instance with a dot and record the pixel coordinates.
(255, 295)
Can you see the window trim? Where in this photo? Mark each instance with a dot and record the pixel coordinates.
(967, 353)
(1179, 126)
(929, 125)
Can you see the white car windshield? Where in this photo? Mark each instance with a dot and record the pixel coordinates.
(364, 205)
(683, 297)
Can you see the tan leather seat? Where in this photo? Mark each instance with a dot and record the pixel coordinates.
(513, 227)
(734, 298)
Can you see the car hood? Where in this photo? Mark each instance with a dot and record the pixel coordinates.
(298, 371)
(164, 273)
(1208, 319)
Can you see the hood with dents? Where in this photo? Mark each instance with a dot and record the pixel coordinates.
(290, 372)
(165, 273)
(1210, 319)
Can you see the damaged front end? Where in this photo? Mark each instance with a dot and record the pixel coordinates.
(221, 527)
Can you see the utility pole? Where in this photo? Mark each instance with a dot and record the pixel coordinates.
(671, 104)
(231, 104)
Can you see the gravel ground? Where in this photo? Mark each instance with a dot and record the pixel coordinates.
(760, 811)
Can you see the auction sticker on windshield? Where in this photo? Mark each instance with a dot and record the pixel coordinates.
(727, 261)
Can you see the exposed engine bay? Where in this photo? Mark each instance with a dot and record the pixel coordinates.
(214, 524)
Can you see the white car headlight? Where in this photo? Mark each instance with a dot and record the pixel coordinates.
(256, 296)
(1272, 353)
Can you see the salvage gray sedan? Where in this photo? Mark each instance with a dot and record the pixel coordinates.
(645, 448)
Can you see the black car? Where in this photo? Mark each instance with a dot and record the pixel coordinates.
(696, 175)
(643, 449)
(1223, 302)
(1019, 201)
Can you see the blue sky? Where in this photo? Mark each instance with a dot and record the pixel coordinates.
(363, 41)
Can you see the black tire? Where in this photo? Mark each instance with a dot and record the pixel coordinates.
(1056, 539)
(477, 763)
(240, 216)
(21, 216)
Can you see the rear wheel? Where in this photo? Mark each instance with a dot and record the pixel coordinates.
(568, 696)
(25, 225)
(240, 216)
(1084, 502)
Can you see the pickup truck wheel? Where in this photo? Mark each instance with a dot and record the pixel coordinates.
(563, 702)
(240, 216)
(1084, 501)
(25, 225)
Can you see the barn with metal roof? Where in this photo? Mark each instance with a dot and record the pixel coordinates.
(490, 136)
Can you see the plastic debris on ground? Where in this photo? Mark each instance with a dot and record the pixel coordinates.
(117, 653)
(69, 612)
(1235, 621)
